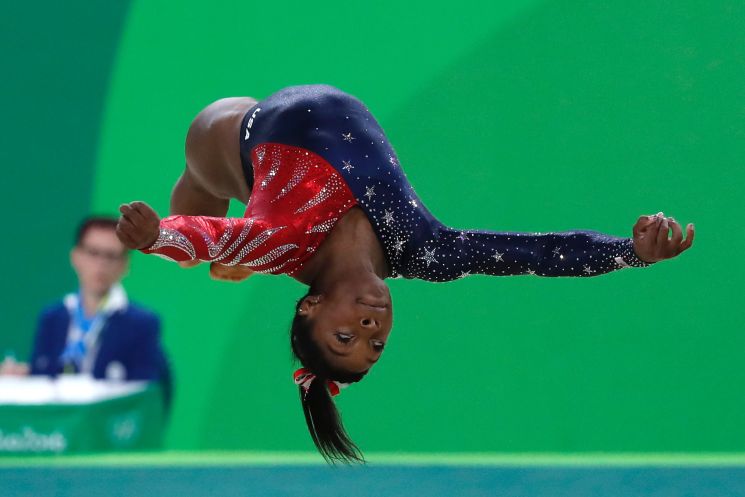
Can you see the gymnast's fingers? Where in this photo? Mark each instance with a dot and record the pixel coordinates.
(229, 273)
(662, 236)
(124, 235)
(677, 236)
(126, 226)
(124, 208)
(144, 210)
(134, 213)
(642, 224)
(127, 215)
(690, 231)
(127, 212)
(136, 234)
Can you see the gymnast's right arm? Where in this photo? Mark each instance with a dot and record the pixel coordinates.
(185, 238)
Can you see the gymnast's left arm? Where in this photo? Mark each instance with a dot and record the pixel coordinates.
(570, 253)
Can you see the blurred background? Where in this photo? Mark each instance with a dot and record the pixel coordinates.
(520, 115)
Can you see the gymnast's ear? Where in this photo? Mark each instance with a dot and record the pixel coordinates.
(309, 305)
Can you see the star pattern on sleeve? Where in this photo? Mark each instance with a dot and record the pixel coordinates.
(398, 245)
(370, 192)
(388, 217)
(429, 256)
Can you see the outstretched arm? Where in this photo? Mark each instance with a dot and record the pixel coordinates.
(457, 254)
(190, 238)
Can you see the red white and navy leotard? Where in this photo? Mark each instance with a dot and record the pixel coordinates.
(311, 153)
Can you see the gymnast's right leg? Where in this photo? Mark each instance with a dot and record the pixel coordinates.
(213, 173)
(191, 198)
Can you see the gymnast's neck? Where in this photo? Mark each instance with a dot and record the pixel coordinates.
(351, 250)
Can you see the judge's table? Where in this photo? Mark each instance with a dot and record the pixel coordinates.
(77, 414)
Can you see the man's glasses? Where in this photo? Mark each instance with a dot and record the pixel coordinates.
(108, 256)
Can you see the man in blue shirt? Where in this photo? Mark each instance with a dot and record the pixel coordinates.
(97, 330)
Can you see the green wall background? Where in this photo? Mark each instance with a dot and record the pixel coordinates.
(56, 59)
(545, 116)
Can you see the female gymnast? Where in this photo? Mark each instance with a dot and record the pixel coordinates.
(329, 205)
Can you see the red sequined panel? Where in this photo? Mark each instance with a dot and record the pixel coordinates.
(296, 201)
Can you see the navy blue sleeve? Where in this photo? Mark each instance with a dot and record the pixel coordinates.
(453, 254)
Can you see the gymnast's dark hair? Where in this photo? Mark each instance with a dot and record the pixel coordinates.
(321, 416)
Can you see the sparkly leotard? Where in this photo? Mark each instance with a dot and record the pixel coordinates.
(312, 153)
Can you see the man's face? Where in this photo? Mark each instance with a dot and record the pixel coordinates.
(100, 260)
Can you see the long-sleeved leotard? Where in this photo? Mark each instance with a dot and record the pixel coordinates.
(290, 212)
(342, 138)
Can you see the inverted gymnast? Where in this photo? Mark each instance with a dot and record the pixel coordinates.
(329, 205)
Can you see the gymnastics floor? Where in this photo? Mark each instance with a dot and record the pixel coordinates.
(450, 475)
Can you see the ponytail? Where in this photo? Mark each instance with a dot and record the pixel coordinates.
(323, 419)
(325, 426)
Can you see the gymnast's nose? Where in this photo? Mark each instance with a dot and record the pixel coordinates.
(369, 323)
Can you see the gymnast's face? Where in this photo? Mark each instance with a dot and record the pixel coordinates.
(351, 323)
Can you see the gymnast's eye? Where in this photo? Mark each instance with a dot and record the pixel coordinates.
(378, 345)
(343, 337)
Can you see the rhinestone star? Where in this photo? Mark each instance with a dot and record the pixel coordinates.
(498, 256)
(462, 237)
(531, 272)
(348, 137)
(347, 165)
(413, 203)
(464, 274)
(393, 161)
(556, 250)
(398, 246)
(428, 256)
(388, 217)
(587, 269)
(369, 192)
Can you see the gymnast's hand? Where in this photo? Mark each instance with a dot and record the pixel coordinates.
(235, 274)
(652, 240)
(138, 226)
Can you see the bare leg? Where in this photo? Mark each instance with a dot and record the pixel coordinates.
(213, 173)
(191, 199)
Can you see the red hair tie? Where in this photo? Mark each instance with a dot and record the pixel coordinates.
(303, 377)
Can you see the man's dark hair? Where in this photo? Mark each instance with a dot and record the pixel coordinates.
(90, 222)
(321, 416)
